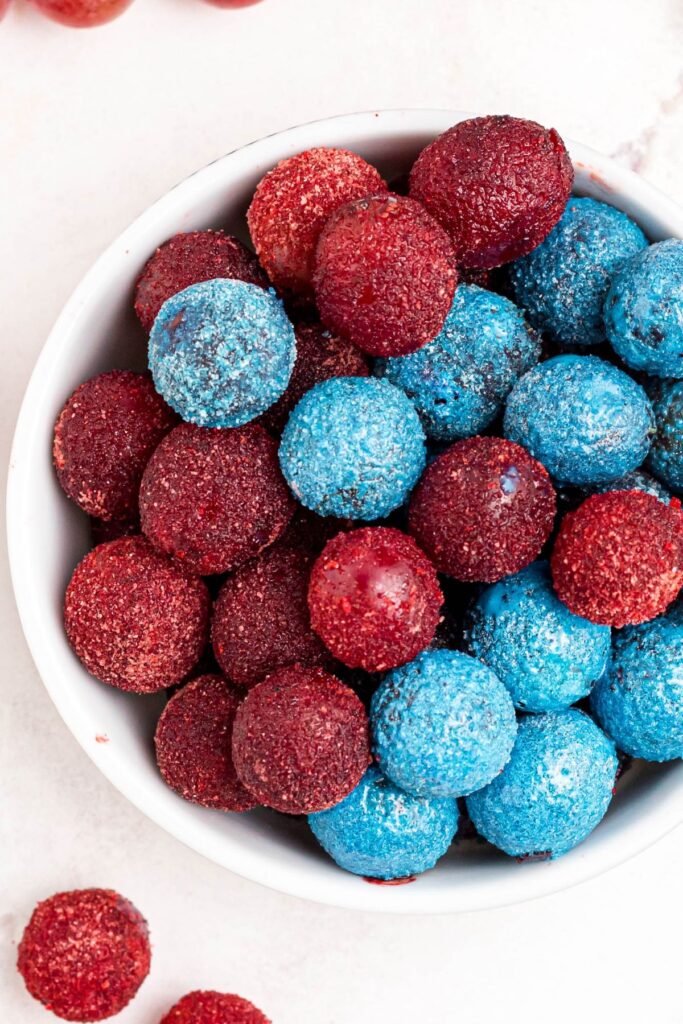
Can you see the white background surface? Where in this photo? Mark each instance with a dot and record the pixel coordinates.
(94, 126)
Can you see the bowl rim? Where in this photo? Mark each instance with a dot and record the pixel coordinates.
(660, 817)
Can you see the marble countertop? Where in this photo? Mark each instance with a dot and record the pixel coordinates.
(93, 127)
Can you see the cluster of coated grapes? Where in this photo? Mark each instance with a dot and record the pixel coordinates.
(89, 13)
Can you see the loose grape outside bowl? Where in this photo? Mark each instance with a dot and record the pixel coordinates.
(47, 536)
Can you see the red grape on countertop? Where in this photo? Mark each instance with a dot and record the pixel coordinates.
(82, 13)
(214, 1008)
(84, 954)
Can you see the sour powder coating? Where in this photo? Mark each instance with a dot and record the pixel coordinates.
(585, 420)
(221, 352)
(381, 832)
(553, 791)
(460, 380)
(442, 725)
(547, 657)
(353, 447)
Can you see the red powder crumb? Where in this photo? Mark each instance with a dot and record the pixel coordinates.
(214, 498)
(374, 598)
(101, 737)
(618, 559)
(384, 275)
(319, 356)
(293, 201)
(214, 1008)
(187, 259)
(84, 954)
(82, 13)
(300, 741)
(135, 619)
(497, 184)
(103, 439)
(193, 740)
(261, 621)
(483, 509)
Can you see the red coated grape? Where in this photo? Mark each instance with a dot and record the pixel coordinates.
(384, 275)
(82, 13)
(374, 598)
(483, 509)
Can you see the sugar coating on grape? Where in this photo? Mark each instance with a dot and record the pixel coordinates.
(84, 954)
(442, 725)
(300, 740)
(320, 355)
(483, 509)
(618, 559)
(374, 598)
(644, 310)
(379, 831)
(563, 283)
(213, 1008)
(293, 201)
(665, 459)
(186, 259)
(554, 790)
(547, 657)
(586, 420)
(385, 275)
(193, 742)
(639, 700)
(460, 380)
(221, 352)
(353, 447)
(497, 184)
(135, 618)
(261, 620)
(82, 13)
(214, 498)
(103, 439)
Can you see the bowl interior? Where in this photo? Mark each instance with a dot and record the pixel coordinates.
(47, 535)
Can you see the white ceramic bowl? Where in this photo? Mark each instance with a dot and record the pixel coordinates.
(48, 535)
